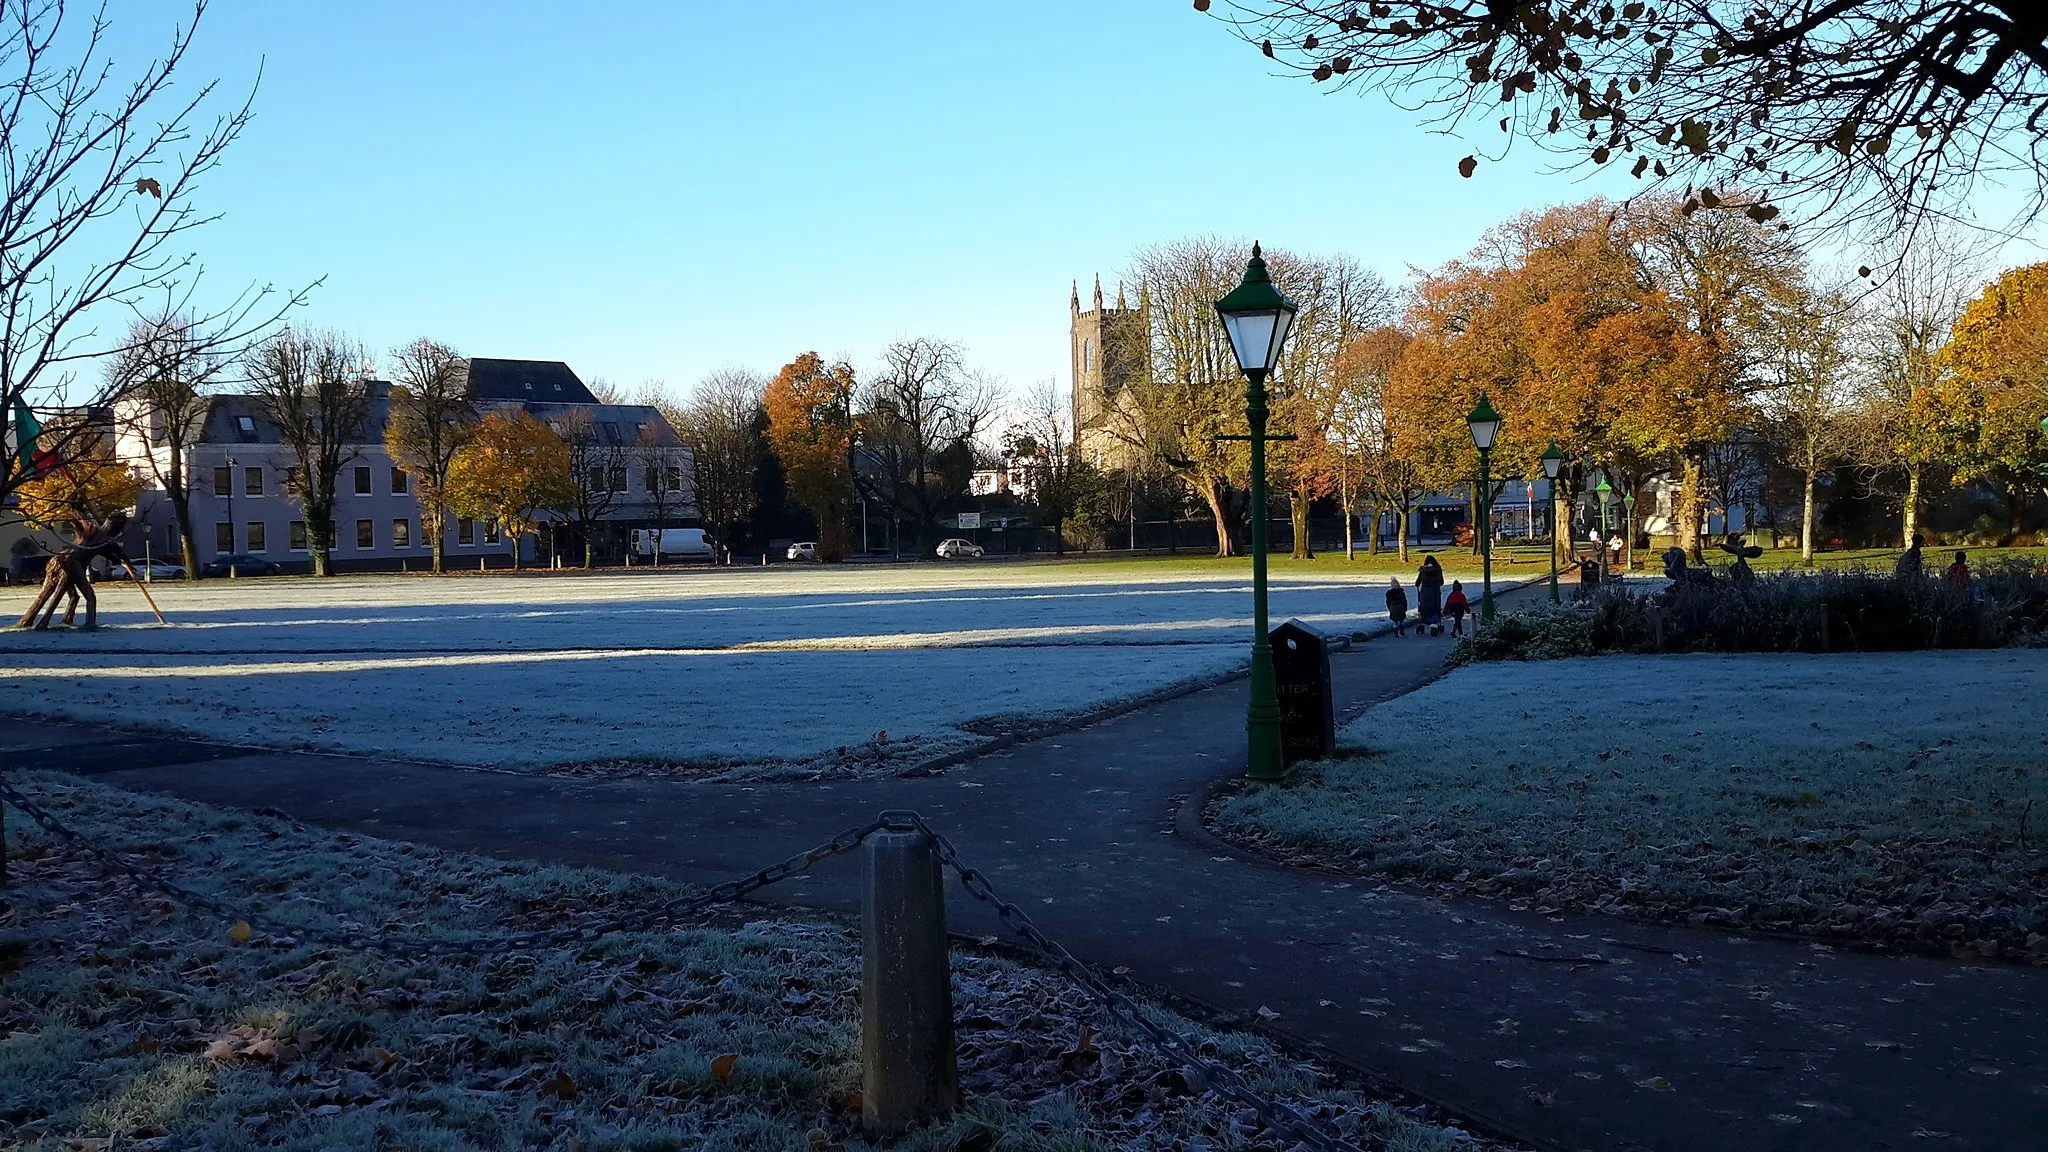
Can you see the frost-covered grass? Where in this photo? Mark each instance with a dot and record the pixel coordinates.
(131, 1023)
(1895, 798)
(780, 667)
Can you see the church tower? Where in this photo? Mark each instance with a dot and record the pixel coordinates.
(1110, 350)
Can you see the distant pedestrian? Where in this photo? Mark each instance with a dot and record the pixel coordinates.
(1397, 605)
(1456, 606)
(1959, 573)
(1429, 593)
(1909, 561)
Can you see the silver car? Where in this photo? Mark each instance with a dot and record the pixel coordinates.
(957, 549)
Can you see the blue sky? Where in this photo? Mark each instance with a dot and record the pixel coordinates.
(656, 190)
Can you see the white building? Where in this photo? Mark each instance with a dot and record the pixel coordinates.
(237, 469)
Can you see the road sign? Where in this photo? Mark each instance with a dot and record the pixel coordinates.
(969, 520)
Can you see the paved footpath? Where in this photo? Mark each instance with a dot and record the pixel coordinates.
(1672, 1039)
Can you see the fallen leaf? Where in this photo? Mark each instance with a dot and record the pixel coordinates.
(1655, 1084)
(240, 932)
(144, 1043)
(219, 1050)
(561, 1088)
(1509, 1064)
(721, 1068)
(1266, 1013)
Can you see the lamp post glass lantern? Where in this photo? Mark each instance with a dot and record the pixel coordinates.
(1257, 316)
(1553, 462)
(1484, 424)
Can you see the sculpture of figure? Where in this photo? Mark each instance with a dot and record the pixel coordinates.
(1740, 572)
(65, 575)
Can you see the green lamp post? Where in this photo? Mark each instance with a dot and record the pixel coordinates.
(1257, 317)
(1553, 461)
(1484, 424)
(1628, 529)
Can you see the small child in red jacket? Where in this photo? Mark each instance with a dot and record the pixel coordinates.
(1455, 606)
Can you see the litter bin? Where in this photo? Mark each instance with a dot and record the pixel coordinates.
(1301, 678)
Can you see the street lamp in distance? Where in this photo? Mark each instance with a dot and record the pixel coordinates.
(1553, 462)
(1484, 424)
(1257, 317)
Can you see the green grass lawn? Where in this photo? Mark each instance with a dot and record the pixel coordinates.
(128, 1023)
(1897, 799)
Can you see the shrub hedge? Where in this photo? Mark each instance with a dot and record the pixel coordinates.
(1850, 611)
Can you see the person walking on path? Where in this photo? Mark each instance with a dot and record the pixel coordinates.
(1455, 605)
(1397, 605)
(1429, 591)
(1959, 573)
(1909, 561)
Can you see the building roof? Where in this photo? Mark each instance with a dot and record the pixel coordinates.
(542, 381)
(622, 424)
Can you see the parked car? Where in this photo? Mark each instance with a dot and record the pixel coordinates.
(957, 549)
(243, 565)
(808, 550)
(150, 569)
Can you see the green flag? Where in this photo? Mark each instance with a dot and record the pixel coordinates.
(22, 437)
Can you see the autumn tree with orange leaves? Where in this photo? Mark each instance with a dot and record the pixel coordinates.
(810, 429)
(1555, 321)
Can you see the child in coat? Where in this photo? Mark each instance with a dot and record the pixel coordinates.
(1397, 606)
(1455, 606)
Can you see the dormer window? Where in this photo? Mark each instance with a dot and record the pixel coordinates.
(247, 426)
(558, 387)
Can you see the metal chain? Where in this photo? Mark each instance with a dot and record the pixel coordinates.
(1118, 1006)
(722, 893)
(1121, 1007)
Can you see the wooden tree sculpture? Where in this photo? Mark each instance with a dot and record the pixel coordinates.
(65, 576)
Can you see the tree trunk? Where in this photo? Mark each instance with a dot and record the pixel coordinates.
(1216, 495)
(517, 551)
(1472, 510)
(1350, 540)
(1372, 527)
(1561, 531)
(1806, 517)
(434, 523)
(1297, 510)
(181, 515)
(1912, 524)
(320, 542)
(1401, 532)
(1691, 505)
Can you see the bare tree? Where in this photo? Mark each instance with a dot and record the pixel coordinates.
(924, 409)
(163, 376)
(1839, 109)
(1905, 324)
(721, 426)
(100, 169)
(661, 467)
(313, 388)
(1041, 444)
(431, 419)
(1808, 409)
(606, 391)
(598, 459)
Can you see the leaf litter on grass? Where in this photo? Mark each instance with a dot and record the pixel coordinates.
(134, 1023)
(1893, 799)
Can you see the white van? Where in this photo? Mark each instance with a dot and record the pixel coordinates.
(676, 543)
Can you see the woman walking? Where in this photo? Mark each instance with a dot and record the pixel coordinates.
(1429, 594)
(1397, 605)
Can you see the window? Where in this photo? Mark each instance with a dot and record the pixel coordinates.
(366, 534)
(223, 538)
(490, 531)
(362, 481)
(252, 481)
(401, 533)
(1087, 355)
(223, 481)
(256, 542)
(593, 480)
(400, 482)
(246, 425)
(465, 532)
(675, 478)
(651, 478)
(617, 480)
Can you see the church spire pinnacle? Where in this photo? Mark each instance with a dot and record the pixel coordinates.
(1120, 296)
(1098, 291)
(1077, 298)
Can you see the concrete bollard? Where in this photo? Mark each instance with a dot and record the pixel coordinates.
(908, 1071)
